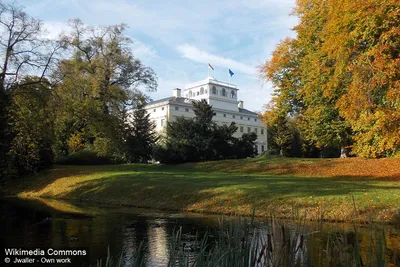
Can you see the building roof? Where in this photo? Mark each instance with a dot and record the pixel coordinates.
(160, 100)
(172, 99)
(246, 111)
(185, 100)
(212, 80)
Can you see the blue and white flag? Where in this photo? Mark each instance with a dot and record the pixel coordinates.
(231, 72)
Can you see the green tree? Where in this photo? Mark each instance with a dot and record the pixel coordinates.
(24, 52)
(281, 135)
(245, 146)
(32, 117)
(98, 87)
(142, 137)
(199, 138)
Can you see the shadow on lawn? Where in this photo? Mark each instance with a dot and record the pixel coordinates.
(179, 190)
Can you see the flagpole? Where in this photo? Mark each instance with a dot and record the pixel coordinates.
(208, 69)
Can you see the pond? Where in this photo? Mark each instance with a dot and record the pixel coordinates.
(43, 224)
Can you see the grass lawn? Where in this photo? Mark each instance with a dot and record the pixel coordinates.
(279, 186)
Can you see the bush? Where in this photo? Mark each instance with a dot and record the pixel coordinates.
(84, 157)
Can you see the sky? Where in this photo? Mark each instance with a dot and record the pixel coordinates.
(178, 39)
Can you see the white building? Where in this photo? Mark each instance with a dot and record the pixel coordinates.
(223, 99)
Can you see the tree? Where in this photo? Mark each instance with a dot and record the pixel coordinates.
(98, 87)
(23, 52)
(192, 139)
(199, 138)
(142, 138)
(284, 72)
(105, 56)
(366, 55)
(340, 75)
(245, 146)
(32, 125)
(223, 144)
(282, 135)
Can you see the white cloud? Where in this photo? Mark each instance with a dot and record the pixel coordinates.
(193, 53)
(286, 5)
(143, 51)
(238, 34)
(53, 29)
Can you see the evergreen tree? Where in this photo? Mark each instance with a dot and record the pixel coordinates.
(140, 142)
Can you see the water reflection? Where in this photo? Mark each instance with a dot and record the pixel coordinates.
(35, 224)
(158, 242)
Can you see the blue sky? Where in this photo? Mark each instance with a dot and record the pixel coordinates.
(178, 38)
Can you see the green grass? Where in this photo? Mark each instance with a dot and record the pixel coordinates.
(279, 186)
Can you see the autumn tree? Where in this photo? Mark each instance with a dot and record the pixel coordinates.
(345, 63)
(362, 37)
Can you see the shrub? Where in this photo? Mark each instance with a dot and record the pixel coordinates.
(84, 157)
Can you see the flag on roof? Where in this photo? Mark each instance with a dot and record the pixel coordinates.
(231, 72)
(211, 67)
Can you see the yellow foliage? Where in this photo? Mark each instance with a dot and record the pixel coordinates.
(75, 142)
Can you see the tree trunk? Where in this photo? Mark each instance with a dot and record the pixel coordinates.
(281, 152)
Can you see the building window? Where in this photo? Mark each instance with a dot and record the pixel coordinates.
(162, 122)
(262, 148)
(214, 90)
(232, 94)
(255, 130)
(224, 115)
(223, 92)
(241, 129)
(241, 117)
(205, 91)
(162, 108)
(248, 118)
(233, 116)
(248, 130)
(262, 131)
(176, 108)
(186, 109)
(154, 110)
(255, 119)
(190, 93)
(201, 90)
(214, 114)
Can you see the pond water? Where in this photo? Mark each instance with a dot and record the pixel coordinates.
(47, 224)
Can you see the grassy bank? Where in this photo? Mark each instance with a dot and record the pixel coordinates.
(315, 188)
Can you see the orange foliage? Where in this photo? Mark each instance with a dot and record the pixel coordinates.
(344, 69)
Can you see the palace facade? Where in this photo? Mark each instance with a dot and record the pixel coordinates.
(223, 97)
